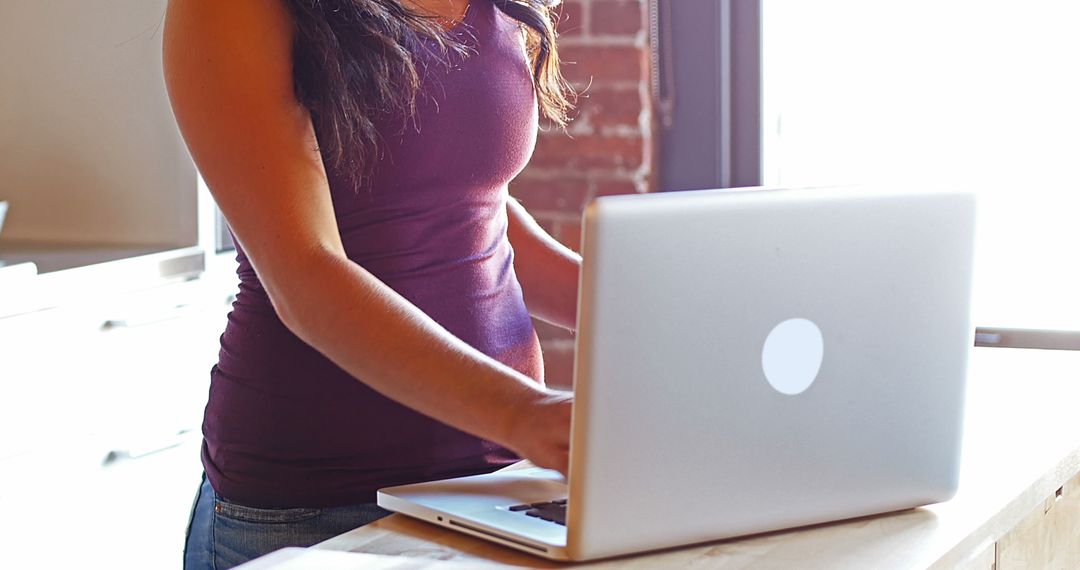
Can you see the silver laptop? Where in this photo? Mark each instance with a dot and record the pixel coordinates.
(747, 361)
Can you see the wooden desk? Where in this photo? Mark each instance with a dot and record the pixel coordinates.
(1018, 504)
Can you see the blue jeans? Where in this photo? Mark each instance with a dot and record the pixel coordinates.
(221, 534)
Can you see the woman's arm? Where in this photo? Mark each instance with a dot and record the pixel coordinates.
(548, 270)
(228, 68)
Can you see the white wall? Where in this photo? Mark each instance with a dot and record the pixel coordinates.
(89, 151)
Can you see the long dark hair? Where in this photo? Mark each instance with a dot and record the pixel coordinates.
(352, 60)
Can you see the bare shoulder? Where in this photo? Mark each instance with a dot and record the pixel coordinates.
(235, 18)
(208, 39)
(228, 70)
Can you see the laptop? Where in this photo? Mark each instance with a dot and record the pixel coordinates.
(747, 361)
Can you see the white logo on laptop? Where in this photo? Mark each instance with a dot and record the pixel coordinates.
(791, 357)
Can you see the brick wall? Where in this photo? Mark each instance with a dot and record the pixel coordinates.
(607, 148)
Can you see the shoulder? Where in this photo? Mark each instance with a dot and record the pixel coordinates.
(244, 28)
(215, 48)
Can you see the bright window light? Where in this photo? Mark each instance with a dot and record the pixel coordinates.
(972, 94)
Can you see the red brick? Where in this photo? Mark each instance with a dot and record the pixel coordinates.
(571, 19)
(584, 64)
(588, 151)
(546, 223)
(547, 126)
(615, 17)
(559, 366)
(563, 193)
(607, 106)
(569, 234)
(549, 333)
(615, 187)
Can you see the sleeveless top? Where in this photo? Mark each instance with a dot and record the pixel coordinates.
(284, 426)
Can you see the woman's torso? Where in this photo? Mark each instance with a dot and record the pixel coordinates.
(286, 427)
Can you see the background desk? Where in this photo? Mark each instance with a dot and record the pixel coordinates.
(1018, 504)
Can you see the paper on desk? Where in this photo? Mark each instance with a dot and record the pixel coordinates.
(309, 559)
(16, 286)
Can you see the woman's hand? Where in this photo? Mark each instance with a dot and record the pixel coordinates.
(540, 432)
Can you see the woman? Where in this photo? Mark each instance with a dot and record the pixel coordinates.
(361, 150)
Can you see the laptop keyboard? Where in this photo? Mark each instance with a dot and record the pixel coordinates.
(554, 511)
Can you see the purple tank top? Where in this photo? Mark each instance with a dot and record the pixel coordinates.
(284, 426)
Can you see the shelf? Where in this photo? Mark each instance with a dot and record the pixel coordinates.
(71, 273)
(50, 257)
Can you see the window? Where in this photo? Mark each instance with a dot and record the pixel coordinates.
(963, 93)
